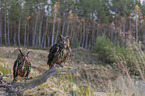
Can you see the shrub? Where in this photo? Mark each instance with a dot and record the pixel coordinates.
(103, 47)
(132, 55)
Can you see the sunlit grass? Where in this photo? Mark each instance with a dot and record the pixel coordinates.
(64, 84)
(4, 68)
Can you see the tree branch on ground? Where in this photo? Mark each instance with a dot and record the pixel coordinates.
(17, 88)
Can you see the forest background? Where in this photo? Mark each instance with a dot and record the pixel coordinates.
(38, 23)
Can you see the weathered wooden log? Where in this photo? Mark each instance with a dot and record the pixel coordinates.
(17, 88)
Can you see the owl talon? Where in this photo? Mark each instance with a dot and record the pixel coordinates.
(28, 78)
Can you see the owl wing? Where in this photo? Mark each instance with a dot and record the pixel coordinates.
(15, 69)
(28, 69)
(53, 51)
(69, 49)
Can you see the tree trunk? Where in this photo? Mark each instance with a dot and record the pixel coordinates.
(93, 35)
(67, 33)
(19, 43)
(8, 34)
(5, 33)
(80, 43)
(63, 27)
(81, 36)
(72, 28)
(34, 34)
(45, 42)
(58, 28)
(144, 35)
(97, 34)
(15, 35)
(42, 41)
(0, 26)
(28, 35)
(71, 32)
(137, 29)
(40, 30)
(48, 40)
(37, 40)
(89, 45)
(48, 35)
(87, 36)
(44, 35)
(84, 29)
(11, 33)
(86, 45)
(25, 34)
(52, 41)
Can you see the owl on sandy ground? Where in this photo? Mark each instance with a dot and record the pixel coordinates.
(59, 53)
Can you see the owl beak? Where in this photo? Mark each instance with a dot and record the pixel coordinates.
(24, 57)
(65, 46)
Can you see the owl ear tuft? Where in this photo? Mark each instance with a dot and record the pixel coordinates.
(20, 51)
(67, 37)
(28, 52)
(60, 36)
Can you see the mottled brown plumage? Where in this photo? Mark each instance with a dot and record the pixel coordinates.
(59, 53)
(22, 67)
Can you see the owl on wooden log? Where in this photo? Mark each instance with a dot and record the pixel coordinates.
(22, 67)
(59, 53)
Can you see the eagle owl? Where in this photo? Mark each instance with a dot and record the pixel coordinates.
(59, 53)
(22, 66)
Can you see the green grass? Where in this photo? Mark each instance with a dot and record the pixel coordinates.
(85, 92)
(65, 84)
(4, 68)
